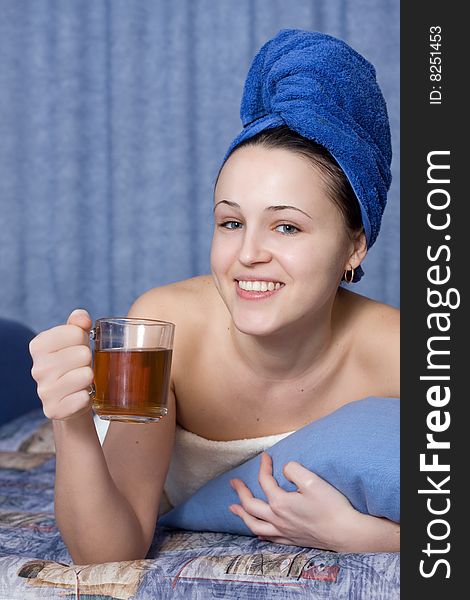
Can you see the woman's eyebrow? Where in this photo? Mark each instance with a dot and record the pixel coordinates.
(285, 206)
(234, 204)
(277, 207)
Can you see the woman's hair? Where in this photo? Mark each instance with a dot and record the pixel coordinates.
(337, 184)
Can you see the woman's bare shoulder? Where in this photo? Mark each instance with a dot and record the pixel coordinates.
(376, 327)
(188, 298)
(369, 310)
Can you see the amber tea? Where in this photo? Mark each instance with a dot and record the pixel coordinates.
(131, 385)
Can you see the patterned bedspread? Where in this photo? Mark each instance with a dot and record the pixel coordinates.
(34, 562)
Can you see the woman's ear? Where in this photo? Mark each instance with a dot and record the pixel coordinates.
(359, 251)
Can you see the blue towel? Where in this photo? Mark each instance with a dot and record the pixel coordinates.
(356, 449)
(324, 90)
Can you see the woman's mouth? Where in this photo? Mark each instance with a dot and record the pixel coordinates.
(257, 290)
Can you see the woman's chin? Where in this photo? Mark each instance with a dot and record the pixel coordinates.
(255, 327)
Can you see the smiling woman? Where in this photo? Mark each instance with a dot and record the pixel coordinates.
(266, 344)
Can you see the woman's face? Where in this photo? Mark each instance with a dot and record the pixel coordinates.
(274, 222)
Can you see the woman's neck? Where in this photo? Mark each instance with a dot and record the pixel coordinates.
(297, 351)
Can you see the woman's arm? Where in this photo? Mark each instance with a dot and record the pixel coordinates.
(106, 499)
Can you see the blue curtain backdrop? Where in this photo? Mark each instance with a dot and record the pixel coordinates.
(114, 117)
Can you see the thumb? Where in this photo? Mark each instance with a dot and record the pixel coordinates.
(81, 318)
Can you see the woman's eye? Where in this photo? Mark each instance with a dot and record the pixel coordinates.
(289, 229)
(227, 223)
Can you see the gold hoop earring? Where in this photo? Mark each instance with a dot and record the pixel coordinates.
(350, 280)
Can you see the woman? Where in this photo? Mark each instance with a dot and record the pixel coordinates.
(269, 341)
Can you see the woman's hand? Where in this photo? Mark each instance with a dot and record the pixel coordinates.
(317, 515)
(62, 367)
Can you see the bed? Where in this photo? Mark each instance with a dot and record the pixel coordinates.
(34, 562)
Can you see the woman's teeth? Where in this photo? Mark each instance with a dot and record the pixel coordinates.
(259, 286)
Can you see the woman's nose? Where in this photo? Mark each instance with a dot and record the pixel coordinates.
(254, 249)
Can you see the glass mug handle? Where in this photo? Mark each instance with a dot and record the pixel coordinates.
(91, 387)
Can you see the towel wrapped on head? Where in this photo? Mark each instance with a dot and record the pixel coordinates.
(324, 90)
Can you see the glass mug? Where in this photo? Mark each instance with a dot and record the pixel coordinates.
(132, 363)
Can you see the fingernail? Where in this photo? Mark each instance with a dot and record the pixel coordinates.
(77, 311)
(232, 483)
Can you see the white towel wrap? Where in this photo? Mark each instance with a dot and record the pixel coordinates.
(197, 460)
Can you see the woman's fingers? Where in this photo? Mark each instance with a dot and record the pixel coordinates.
(57, 338)
(255, 506)
(311, 485)
(62, 366)
(274, 493)
(54, 365)
(257, 526)
(71, 382)
(303, 478)
(72, 406)
(81, 318)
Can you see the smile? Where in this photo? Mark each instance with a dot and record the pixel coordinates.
(257, 290)
(259, 286)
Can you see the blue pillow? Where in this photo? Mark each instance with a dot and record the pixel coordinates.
(356, 449)
(18, 386)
